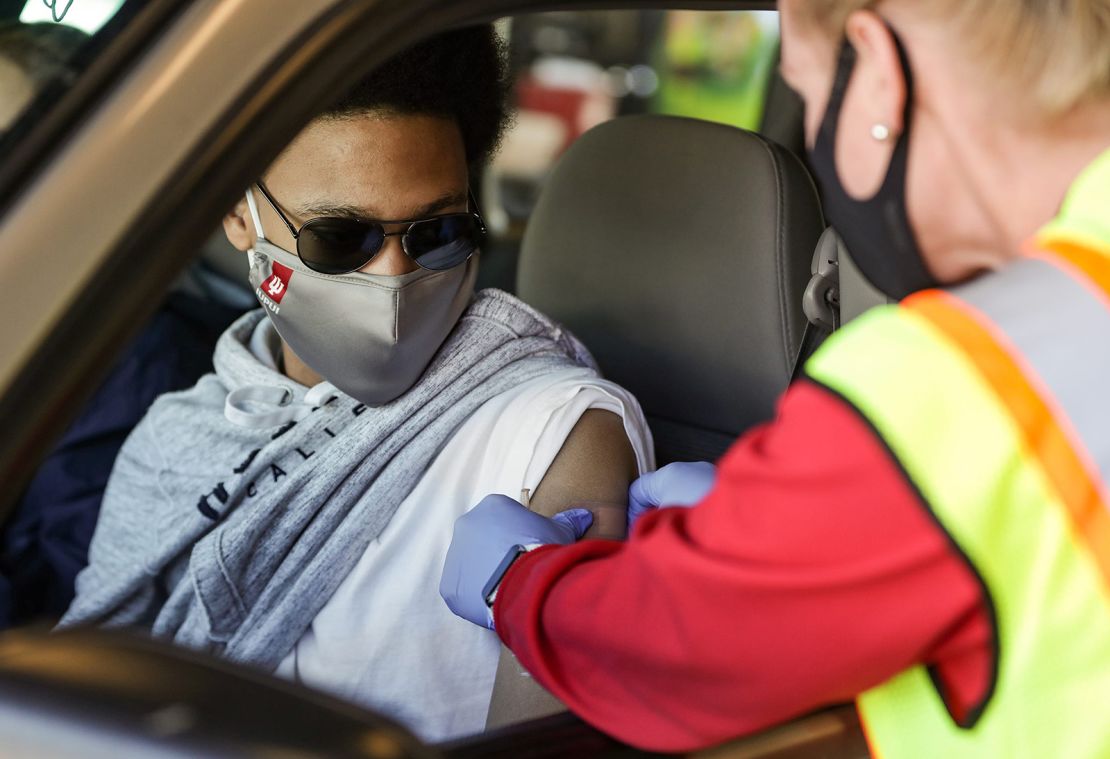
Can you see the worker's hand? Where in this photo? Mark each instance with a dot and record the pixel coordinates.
(484, 536)
(683, 483)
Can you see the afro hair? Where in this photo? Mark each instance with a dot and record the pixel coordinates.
(462, 75)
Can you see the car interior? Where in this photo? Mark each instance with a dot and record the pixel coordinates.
(698, 271)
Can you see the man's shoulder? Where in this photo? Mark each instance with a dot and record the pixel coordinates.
(523, 428)
(186, 425)
(497, 307)
(194, 406)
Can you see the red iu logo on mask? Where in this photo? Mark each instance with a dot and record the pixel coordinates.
(274, 288)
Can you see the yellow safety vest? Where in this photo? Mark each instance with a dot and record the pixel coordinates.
(994, 397)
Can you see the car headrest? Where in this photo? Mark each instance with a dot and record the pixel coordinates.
(678, 251)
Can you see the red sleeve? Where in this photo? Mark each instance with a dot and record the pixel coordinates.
(811, 573)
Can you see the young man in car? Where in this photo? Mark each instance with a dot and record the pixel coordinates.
(292, 511)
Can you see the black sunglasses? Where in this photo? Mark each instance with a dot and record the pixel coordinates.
(340, 245)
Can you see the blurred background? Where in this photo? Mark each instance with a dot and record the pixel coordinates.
(575, 70)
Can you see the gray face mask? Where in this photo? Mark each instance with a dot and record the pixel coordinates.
(371, 336)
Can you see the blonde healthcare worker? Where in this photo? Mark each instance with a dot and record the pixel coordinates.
(925, 526)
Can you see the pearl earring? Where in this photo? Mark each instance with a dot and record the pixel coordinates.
(880, 132)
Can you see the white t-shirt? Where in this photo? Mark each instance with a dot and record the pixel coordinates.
(386, 640)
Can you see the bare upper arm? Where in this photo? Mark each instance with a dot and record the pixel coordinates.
(593, 469)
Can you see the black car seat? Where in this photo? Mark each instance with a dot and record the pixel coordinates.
(678, 251)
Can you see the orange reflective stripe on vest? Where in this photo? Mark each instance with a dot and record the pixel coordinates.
(1038, 315)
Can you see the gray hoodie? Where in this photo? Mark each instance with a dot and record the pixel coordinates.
(231, 539)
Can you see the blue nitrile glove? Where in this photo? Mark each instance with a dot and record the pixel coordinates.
(484, 536)
(684, 483)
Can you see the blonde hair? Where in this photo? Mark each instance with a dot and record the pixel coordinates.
(1054, 53)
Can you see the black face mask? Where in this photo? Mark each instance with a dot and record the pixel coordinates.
(877, 231)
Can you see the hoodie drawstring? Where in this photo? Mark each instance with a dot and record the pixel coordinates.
(261, 406)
